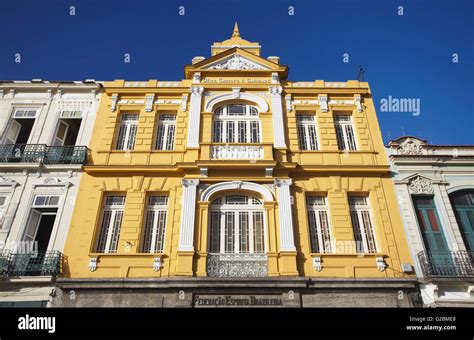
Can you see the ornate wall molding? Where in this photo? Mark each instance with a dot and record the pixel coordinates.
(275, 91)
(213, 101)
(113, 104)
(250, 186)
(149, 102)
(410, 146)
(323, 102)
(420, 186)
(236, 62)
(7, 182)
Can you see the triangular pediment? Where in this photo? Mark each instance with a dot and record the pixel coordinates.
(236, 62)
(416, 175)
(235, 59)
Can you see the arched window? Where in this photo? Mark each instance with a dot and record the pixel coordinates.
(236, 123)
(463, 206)
(237, 225)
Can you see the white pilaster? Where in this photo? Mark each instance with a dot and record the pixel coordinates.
(194, 116)
(188, 209)
(286, 217)
(445, 223)
(277, 111)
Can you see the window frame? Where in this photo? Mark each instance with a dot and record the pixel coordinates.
(304, 126)
(155, 237)
(230, 122)
(321, 236)
(113, 209)
(47, 204)
(254, 209)
(165, 140)
(127, 144)
(358, 210)
(349, 145)
(16, 109)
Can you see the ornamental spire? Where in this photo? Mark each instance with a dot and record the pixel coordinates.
(236, 32)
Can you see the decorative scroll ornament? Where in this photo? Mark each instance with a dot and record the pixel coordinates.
(275, 91)
(420, 185)
(236, 63)
(51, 180)
(410, 147)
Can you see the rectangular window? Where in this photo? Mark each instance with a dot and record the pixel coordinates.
(229, 236)
(242, 131)
(155, 224)
(112, 215)
(127, 132)
(165, 132)
(230, 132)
(364, 233)
(20, 126)
(307, 133)
(25, 113)
(41, 201)
(215, 231)
(319, 229)
(255, 132)
(218, 132)
(345, 132)
(244, 231)
(70, 114)
(258, 242)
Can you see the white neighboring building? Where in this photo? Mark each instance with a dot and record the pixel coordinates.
(435, 188)
(45, 128)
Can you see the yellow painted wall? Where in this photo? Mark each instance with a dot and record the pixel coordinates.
(144, 170)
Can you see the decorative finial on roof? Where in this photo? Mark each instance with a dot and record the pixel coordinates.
(236, 32)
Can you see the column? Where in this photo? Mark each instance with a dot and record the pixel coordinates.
(188, 212)
(277, 111)
(194, 116)
(287, 259)
(287, 241)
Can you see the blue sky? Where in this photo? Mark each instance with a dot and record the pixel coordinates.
(407, 56)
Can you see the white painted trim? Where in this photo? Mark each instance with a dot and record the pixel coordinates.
(278, 121)
(287, 239)
(194, 116)
(459, 188)
(188, 212)
(211, 190)
(211, 103)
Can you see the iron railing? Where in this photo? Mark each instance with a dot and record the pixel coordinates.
(446, 264)
(237, 265)
(65, 155)
(41, 153)
(22, 153)
(31, 264)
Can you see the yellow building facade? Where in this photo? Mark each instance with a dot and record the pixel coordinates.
(236, 186)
